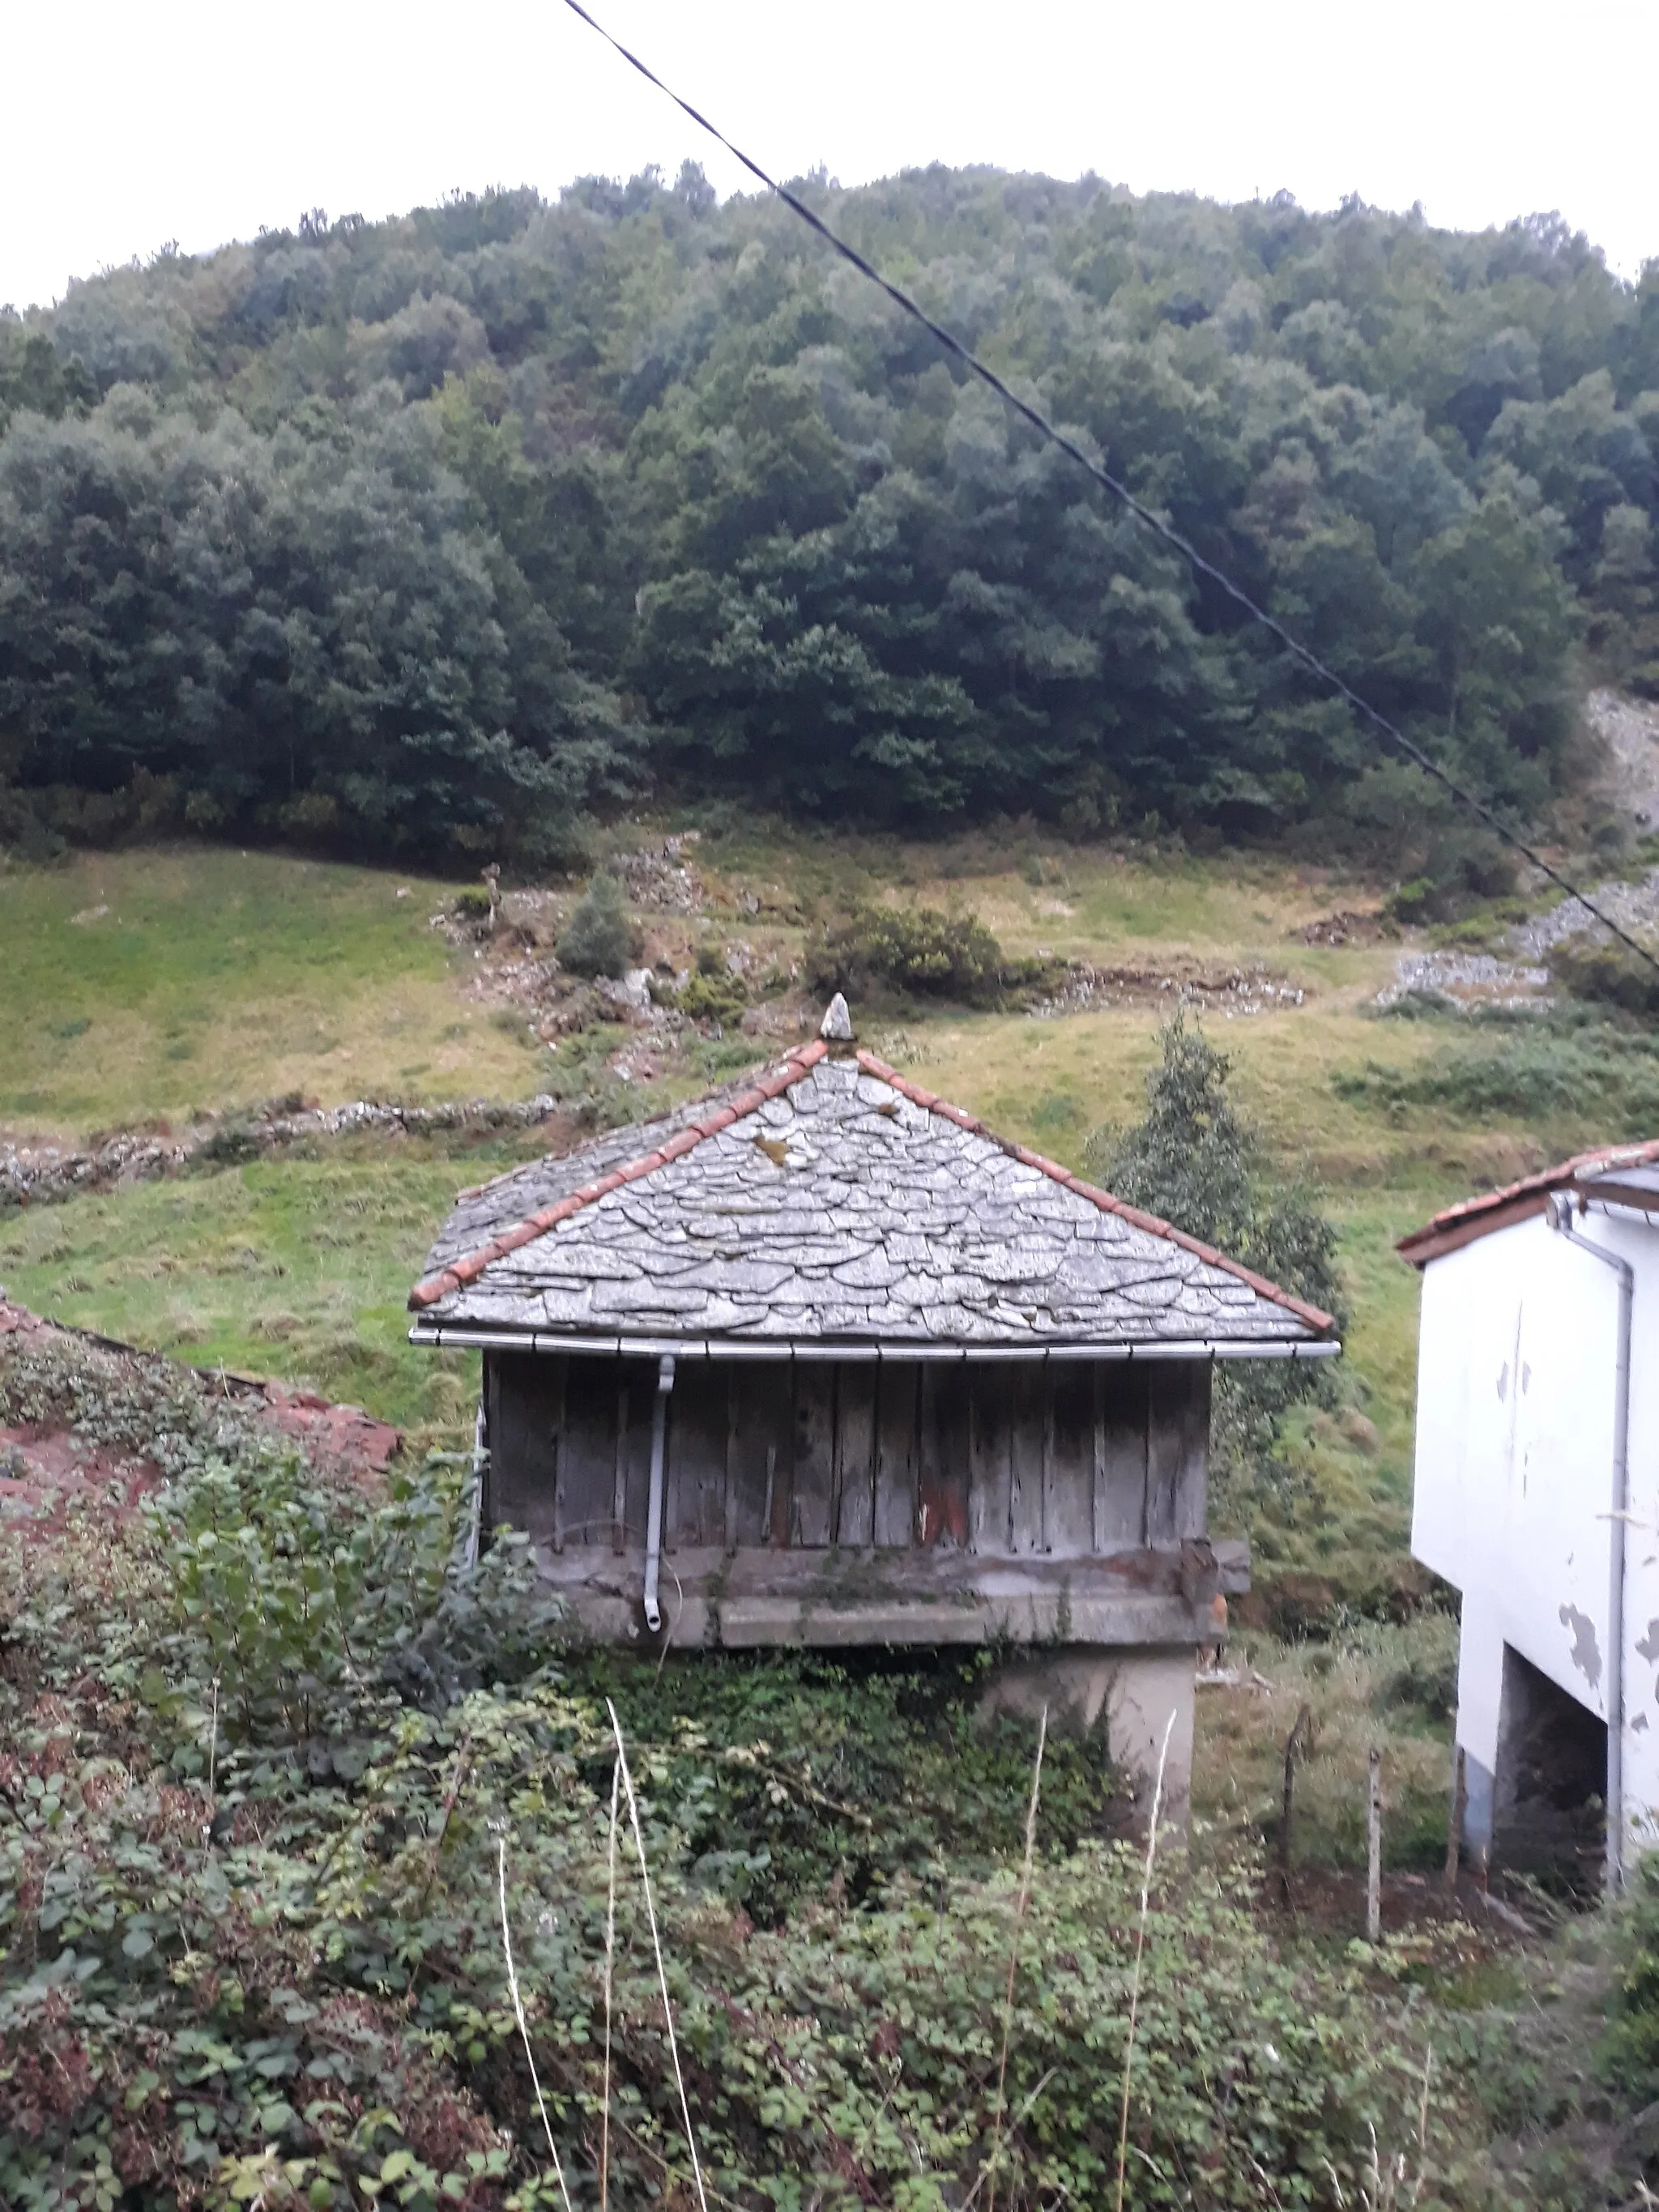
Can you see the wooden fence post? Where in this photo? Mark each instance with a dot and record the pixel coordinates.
(1294, 1742)
(1374, 1850)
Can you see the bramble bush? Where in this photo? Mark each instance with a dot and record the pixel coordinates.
(271, 1744)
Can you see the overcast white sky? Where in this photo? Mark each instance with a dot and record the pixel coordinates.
(123, 125)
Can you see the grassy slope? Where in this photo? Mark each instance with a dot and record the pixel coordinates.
(295, 1268)
(147, 984)
(217, 978)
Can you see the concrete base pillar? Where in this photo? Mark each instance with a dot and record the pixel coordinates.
(1479, 1695)
(1142, 1694)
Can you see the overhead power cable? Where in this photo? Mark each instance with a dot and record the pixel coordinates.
(1153, 521)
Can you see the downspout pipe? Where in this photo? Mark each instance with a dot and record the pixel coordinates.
(475, 1501)
(653, 1510)
(1560, 1219)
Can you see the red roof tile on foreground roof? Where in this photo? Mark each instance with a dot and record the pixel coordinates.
(790, 1070)
(1470, 1218)
(1102, 1198)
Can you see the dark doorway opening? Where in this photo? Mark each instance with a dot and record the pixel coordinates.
(1549, 1810)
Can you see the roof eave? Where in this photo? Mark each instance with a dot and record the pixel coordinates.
(1454, 1227)
(460, 1334)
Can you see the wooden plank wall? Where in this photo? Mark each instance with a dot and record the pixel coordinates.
(1010, 1457)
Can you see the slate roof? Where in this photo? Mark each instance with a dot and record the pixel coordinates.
(1470, 1218)
(830, 1200)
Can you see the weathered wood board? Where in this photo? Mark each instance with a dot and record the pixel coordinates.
(1063, 1459)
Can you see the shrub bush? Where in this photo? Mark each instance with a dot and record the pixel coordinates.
(1590, 1081)
(1605, 975)
(915, 950)
(599, 938)
(717, 998)
(1193, 1163)
(271, 1756)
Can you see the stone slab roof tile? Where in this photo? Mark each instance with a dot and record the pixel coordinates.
(829, 1199)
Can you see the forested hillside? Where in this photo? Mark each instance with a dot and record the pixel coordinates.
(438, 535)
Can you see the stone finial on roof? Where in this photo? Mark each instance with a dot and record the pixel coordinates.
(836, 1027)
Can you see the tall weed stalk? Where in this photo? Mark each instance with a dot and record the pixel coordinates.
(656, 1946)
(1022, 1900)
(1140, 1952)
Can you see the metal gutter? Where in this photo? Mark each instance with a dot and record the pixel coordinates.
(458, 1337)
(1560, 1219)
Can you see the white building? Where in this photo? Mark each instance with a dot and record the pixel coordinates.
(1537, 1497)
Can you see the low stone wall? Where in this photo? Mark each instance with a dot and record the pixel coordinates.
(32, 1174)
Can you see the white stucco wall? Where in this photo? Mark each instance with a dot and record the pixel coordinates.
(1513, 1493)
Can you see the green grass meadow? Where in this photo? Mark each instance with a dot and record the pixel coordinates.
(142, 986)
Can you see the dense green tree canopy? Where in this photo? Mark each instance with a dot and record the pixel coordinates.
(434, 533)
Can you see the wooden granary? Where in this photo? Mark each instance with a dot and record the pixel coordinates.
(820, 1361)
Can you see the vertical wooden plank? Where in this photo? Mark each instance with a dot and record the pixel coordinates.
(519, 1461)
(855, 1455)
(781, 1471)
(490, 1383)
(729, 1504)
(1029, 1424)
(711, 1455)
(1098, 1471)
(1178, 1430)
(1049, 1516)
(589, 1448)
(639, 1377)
(929, 1514)
(955, 1454)
(943, 1439)
(1069, 1521)
(990, 1405)
(896, 1453)
(559, 1448)
(1122, 1435)
(760, 1429)
(812, 1515)
(1193, 1483)
(619, 1471)
(695, 1501)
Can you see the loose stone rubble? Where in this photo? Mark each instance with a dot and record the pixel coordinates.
(1466, 980)
(1347, 927)
(663, 880)
(1235, 991)
(1629, 728)
(32, 1173)
(1634, 907)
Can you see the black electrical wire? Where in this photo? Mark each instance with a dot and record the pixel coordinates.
(1121, 491)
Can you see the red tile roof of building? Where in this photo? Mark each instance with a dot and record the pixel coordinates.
(1460, 1224)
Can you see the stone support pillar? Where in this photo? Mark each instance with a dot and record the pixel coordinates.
(1140, 1694)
